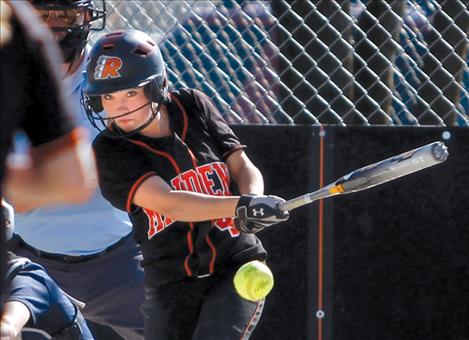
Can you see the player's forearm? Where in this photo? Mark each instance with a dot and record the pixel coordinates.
(190, 206)
(60, 179)
(27, 190)
(15, 316)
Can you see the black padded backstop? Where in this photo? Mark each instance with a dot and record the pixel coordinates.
(391, 262)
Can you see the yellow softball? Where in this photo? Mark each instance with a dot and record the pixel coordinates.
(253, 281)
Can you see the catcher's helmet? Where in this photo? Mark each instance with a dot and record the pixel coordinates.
(123, 60)
(73, 43)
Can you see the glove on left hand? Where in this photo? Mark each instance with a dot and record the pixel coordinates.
(254, 213)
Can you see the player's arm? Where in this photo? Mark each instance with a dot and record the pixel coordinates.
(61, 157)
(61, 171)
(155, 194)
(246, 175)
(15, 316)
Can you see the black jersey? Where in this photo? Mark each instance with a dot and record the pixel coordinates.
(192, 158)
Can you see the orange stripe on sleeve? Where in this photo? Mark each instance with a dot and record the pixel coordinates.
(138, 182)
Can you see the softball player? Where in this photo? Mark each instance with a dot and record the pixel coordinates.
(167, 158)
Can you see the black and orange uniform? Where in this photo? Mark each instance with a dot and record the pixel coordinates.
(189, 267)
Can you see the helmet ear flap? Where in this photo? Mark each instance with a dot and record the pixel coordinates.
(95, 103)
(151, 92)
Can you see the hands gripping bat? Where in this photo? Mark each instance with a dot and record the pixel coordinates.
(376, 174)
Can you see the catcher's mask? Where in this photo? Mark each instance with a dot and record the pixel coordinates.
(74, 17)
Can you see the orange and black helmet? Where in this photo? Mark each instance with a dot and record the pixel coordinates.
(119, 61)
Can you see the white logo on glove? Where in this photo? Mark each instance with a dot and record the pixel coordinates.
(259, 212)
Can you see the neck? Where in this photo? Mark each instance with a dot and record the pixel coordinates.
(159, 127)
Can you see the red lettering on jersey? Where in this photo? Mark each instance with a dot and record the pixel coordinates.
(207, 183)
(198, 180)
(191, 180)
(222, 172)
(156, 222)
(227, 224)
(177, 183)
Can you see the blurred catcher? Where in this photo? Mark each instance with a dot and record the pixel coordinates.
(86, 248)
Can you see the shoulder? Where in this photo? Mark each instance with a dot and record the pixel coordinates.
(101, 140)
(196, 103)
(191, 98)
(23, 267)
(106, 144)
(112, 150)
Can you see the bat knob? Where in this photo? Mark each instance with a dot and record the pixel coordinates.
(440, 151)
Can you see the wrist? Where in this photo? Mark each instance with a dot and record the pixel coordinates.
(243, 200)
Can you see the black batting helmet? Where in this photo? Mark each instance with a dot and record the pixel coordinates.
(73, 43)
(123, 60)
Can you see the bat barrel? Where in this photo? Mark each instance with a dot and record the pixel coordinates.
(394, 167)
(439, 151)
(375, 174)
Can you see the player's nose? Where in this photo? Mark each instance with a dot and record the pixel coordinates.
(121, 110)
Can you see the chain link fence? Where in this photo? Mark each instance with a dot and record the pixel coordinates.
(351, 62)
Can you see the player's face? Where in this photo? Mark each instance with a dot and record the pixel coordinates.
(60, 20)
(117, 104)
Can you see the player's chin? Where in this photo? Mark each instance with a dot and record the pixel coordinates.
(126, 125)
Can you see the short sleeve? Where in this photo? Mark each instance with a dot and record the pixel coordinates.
(121, 169)
(28, 286)
(50, 309)
(219, 131)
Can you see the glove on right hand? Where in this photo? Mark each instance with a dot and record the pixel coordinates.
(254, 213)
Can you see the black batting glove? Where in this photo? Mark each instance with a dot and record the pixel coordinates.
(254, 213)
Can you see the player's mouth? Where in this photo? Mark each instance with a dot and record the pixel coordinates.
(124, 120)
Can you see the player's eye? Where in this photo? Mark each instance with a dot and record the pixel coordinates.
(67, 16)
(45, 15)
(107, 97)
(131, 93)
